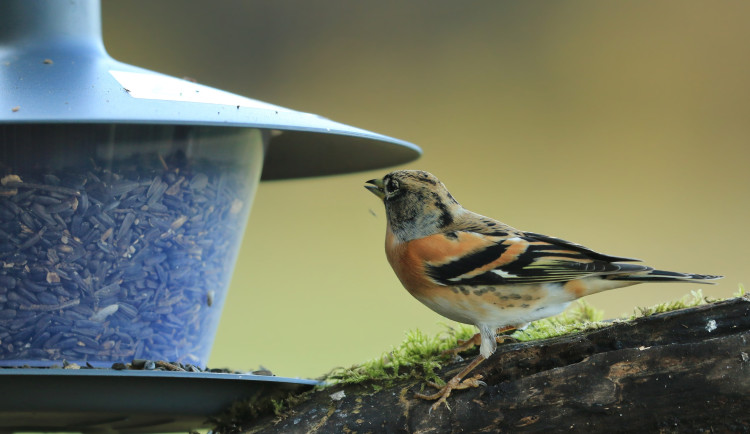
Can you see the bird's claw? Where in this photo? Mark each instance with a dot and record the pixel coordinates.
(445, 391)
(471, 382)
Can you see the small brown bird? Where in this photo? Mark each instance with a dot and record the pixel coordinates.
(476, 270)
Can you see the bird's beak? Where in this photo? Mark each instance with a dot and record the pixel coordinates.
(376, 188)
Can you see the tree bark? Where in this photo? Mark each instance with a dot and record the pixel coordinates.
(682, 371)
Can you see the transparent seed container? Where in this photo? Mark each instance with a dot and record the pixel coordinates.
(117, 242)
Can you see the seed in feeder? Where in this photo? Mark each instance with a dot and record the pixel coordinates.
(105, 236)
(161, 160)
(52, 277)
(199, 182)
(114, 288)
(178, 222)
(7, 314)
(10, 178)
(236, 206)
(104, 313)
(175, 188)
(47, 298)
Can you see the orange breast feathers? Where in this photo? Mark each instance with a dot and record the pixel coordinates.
(409, 259)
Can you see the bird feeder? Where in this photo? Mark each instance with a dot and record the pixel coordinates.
(124, 192)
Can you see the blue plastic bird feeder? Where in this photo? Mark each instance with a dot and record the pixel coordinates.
(124, 192)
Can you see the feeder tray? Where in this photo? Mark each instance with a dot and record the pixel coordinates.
(96, 400)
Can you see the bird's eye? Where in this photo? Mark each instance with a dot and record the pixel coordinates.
(391, 186)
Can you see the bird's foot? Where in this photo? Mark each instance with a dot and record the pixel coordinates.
(445, 391)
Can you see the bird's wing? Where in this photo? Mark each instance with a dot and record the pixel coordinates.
(471, 258)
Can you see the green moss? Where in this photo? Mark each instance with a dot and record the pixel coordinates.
(695, 298)
(740, 291)
(278, 406)
(420, 355)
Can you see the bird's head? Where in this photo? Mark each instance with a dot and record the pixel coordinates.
(417, 204)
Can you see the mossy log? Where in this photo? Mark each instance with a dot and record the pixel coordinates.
(681, 371)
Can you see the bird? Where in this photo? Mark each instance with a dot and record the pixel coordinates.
(477, 270)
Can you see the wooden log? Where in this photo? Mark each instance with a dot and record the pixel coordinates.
(681, 371)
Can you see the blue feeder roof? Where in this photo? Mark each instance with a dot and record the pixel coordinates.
(54, 69)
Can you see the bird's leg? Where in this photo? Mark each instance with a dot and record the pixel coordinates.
(455, 383)
(476, 340)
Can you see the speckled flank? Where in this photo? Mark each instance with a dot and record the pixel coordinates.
(491, 305)
(577, 288)
(512, 297)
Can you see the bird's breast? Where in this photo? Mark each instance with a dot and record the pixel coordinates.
(409, 268)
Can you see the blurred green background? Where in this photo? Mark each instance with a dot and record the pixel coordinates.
(620, 125)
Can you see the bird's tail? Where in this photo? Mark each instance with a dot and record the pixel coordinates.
(665, 276)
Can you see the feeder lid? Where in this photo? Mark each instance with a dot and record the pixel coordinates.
(54, 69)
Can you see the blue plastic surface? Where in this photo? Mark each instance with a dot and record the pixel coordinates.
(54, 69)
(104, 400)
